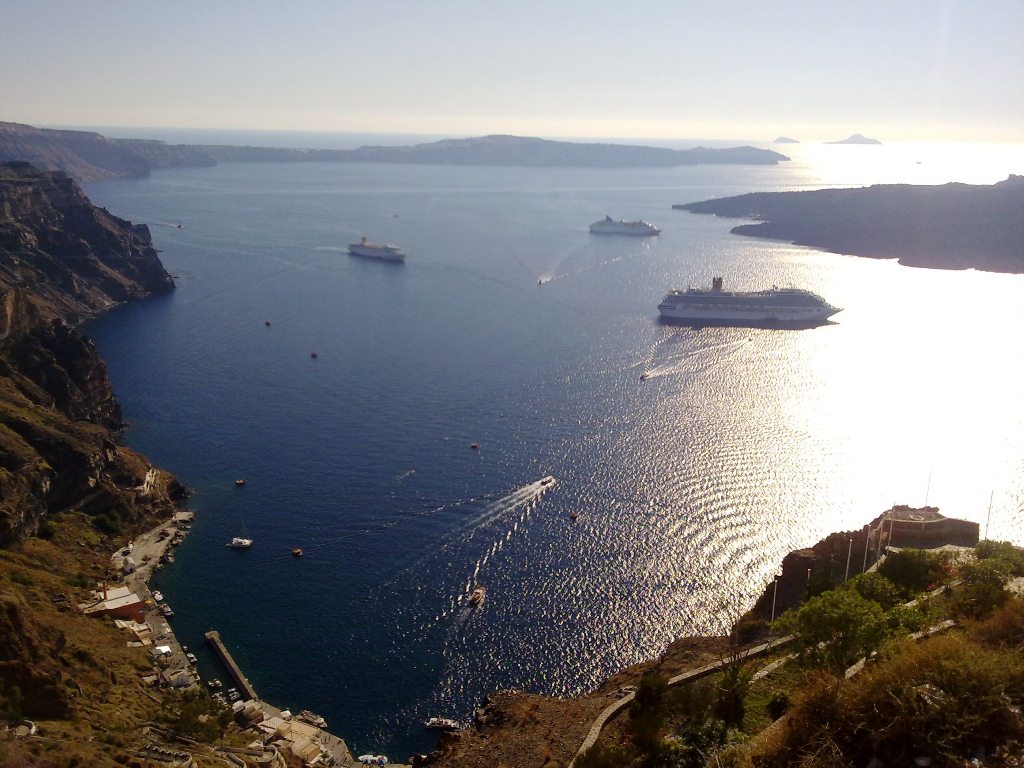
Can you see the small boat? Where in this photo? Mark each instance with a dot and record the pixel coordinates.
(297, 551)
(239, 543)
(442, 724)
(474, 446)
(477, 596)
(312, 355)
(574, 515)
(239, 482)
(266, 322)
(312, 718)
(158, 596)
(547, 480)
(213, 684)
(165, 609)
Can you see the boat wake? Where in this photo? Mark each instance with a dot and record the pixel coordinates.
(682, 362)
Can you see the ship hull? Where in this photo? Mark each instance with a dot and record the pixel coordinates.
(379, 255)
(753, 318)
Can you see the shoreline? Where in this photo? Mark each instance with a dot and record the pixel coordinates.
(152, 548)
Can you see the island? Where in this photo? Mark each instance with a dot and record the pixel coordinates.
(786, 140)
(86, 155)
(948, 226)
(855, 139)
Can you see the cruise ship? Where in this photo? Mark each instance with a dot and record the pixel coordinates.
(382, 251)
(776, 307)
(609, 226)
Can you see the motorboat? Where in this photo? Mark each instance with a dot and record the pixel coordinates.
(239, 543)
(477, 596)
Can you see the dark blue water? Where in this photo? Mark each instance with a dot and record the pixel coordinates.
(689, 486)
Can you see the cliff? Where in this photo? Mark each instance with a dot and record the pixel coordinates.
(62, 260)
(949, 226)
(508, 151)
(87, 156)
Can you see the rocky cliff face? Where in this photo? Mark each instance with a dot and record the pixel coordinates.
(62, 260)
(86, 155)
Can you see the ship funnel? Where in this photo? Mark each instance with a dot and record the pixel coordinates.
(716, 284)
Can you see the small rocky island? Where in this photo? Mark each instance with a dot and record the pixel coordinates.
(948, 226)
(786, 140)
(855, 139)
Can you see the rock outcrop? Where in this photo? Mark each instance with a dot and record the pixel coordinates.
(61, 261)
(948, 226)
(87, 156)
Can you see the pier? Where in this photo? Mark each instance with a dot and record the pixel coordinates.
(244, 686)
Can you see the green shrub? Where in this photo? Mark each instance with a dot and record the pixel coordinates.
(945, 697)
(778, 704)
(47, 530)
(982, 588)
(839, 627)
(912, 570)
(1011, 556)
(108, 522)
(877, 588)
(1005, 626)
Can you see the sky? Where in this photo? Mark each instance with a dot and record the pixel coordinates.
(943, 70)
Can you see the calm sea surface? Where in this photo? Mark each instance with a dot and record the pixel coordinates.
(689, 486)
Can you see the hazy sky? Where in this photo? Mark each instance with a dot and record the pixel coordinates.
(895, 69)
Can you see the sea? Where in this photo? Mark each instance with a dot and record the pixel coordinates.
(397, 422)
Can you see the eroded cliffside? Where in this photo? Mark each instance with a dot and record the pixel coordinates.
(62, 260)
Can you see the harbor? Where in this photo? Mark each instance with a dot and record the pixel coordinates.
(137, 609)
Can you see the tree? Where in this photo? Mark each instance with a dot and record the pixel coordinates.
(839, 627)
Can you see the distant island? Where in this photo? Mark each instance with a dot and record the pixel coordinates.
(855, 139)
(86, 155)
(786, 140)
(949, 226)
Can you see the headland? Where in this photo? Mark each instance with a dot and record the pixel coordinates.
(948, 226)
(86, 155)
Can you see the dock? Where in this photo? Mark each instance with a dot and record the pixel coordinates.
(244, 686)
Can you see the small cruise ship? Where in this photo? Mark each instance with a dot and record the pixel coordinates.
(775, 307)
(380, 251)
(609, 226)
(239, 543)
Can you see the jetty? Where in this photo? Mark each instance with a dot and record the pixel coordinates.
(213, 638)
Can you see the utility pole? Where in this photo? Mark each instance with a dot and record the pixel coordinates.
(775, 593)
(988, 518)
(867, 538)
(848, 553)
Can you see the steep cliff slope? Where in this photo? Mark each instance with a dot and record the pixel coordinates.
(61, 260)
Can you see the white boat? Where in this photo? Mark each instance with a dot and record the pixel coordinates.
(477, 596)
(442, 724)
(776, 307)
(381, 251)
(239, 543)
(609, 226)
(312, 718)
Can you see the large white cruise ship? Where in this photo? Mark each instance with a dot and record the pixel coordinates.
(382, 251)
(778, 307)
(609, 226)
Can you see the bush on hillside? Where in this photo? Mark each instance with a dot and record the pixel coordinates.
(877, 588)
(838, 628)
(943, 698)
(1012, 557)
(913, 570)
